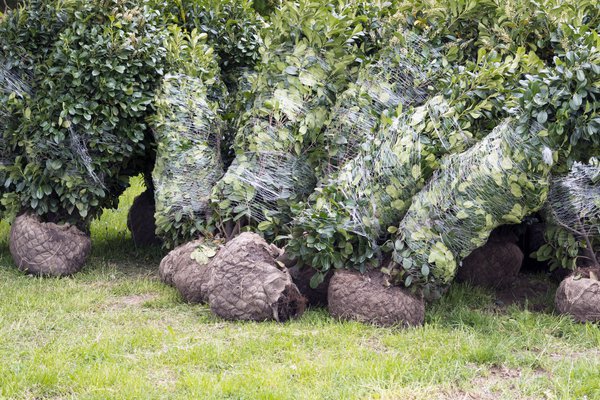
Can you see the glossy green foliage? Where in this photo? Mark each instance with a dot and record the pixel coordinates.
(93, 69)
(232, 26)
(504, 26)
(567, 97)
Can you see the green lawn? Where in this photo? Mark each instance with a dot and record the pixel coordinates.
(114, 331)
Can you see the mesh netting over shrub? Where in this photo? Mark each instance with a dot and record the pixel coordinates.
(309, 56)
(499, 180)
(363, 197)
(573, 218)
(188, 161)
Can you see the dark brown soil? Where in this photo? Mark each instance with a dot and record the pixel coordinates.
(533, 239)
(503, 234)
(47, 249)
(494, 265)
(248, 284)
(316, 297)
(579, 295)
(369, 298)
(140, 220)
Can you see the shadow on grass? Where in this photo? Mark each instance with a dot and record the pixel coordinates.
(122, 254)
(477, 308)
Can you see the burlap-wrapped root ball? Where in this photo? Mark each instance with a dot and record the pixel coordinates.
(315, 296)
(368, 298)
(176, 259)
(493, 265)
(48, 249)
(579, 295)
(180, 269)
(140, 220)
(248, 284)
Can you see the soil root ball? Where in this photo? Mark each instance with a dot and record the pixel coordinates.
(191, 280)
(48, 249)
(503, 234)
(140, 220)
(248, 284)
(176, 260)
(579, 295)
(368, 298)
(316, 297)
(494, 265)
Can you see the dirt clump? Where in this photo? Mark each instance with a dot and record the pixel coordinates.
(369, 298)
(579, 295)
(192, 280)
(189, 276)
(494, 265)
(46, 248)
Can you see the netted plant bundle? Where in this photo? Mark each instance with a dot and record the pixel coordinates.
(261, 183)
(281, 118)
(352, 213)
(573, 217)
(80, 133)
(188, 130)
(500, 180)
(399, 77)
(360, 203)
(309, 56)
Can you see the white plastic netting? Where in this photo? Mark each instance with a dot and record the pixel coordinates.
(574, 204)
(574, 200)
(399, 78)
(266, 178)
(373, 190)
(14, 82)
(81, 156)
(271, 169)
(499, 180)
(187, 130)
